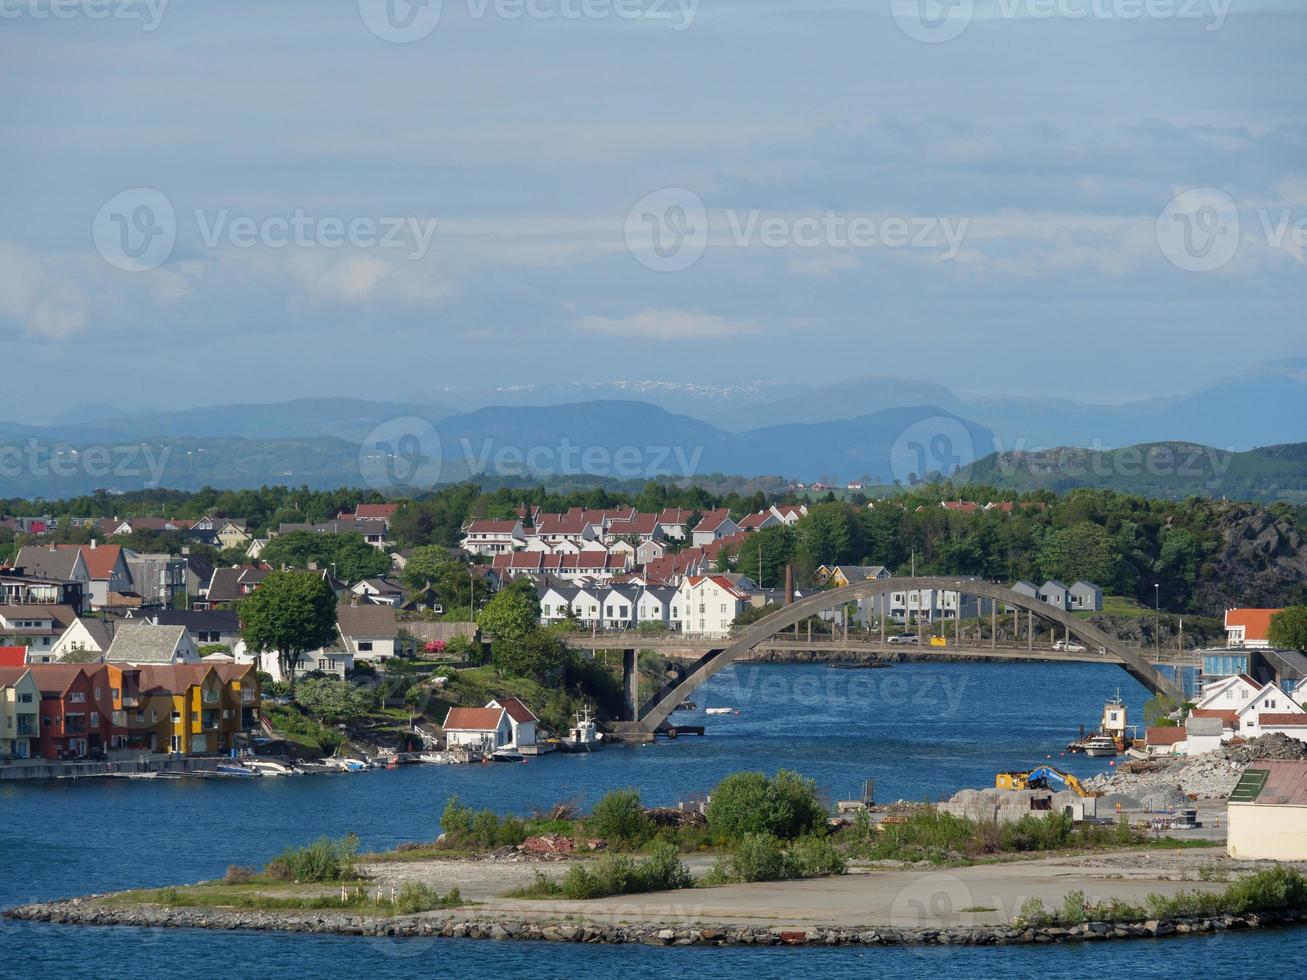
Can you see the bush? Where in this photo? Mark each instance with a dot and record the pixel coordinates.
(784, 806)
(619, 817)
(763, 857)
(326, 859)
(416, 897)
(484, 831)
(236, 875)
(816, 857)
(616, 874)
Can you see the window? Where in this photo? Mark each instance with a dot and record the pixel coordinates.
(113, 693)
(95, 718)
(77, 697)
(365, 646)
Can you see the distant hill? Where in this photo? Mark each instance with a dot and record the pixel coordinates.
(342, 418)
(1173, 470)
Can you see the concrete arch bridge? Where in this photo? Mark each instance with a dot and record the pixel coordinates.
(644, 718)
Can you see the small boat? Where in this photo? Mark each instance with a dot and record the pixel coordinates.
(1100, 745)
(268, 767)
(686, 706)
(723, 711)
(583, 735)
(507, 755)
(233, 770)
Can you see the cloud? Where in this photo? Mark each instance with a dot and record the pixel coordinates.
(669, 325)
(38, 298)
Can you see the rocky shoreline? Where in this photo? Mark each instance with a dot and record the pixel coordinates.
(88, 912)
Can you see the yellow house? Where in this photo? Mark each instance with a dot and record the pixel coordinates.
(20, 704)
(232, 534)
(191, 709)
(1268, 812)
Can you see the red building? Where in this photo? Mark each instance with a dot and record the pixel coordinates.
(77, 707)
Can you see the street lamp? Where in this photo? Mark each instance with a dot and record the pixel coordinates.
(1157, 618)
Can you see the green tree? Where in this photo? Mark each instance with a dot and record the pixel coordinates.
(764, 555)
(1289, 628)
(537, 653)
(785, 806)
(824, 535)
(513, 612)
(290, 613)
(332, 701)
(620, 817)
(1083, 551)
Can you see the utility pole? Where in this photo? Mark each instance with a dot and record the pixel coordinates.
(1157, 618)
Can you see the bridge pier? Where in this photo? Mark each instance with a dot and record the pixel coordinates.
(631, 683)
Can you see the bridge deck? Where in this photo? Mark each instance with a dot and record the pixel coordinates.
(683, 648)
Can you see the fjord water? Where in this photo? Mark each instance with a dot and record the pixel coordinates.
(920, 730)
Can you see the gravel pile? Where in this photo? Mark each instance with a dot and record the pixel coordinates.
(1165, 782)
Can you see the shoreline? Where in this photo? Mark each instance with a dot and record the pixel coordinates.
(447, 925)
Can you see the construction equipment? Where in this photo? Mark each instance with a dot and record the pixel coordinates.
(1042, 777)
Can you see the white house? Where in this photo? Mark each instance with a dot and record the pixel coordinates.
(367, 632)
(1249, 628)
(144, 642)
(1085, 596)
(479, 729)
(555, 601)
(1204, 735)
(710, 604)
(587, 605)
(619, 606)
(1055, 594)
(521, 721)
(1248, 708)
(658, 604)
(85, 636)
(490, 538)
(713, 526)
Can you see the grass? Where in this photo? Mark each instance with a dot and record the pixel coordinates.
(613, 874)
(1276, 890)
(941, 838)
(268, 896)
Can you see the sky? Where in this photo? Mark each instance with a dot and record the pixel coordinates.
(229, 201)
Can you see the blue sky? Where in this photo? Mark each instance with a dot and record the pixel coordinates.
(1054, 134)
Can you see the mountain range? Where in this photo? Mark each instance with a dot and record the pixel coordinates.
(873, 430)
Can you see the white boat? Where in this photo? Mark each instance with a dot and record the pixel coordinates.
(722, 711)
(268, 767)
(583, 736)
(1100, 745)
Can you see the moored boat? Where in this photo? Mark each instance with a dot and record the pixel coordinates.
(583, 736)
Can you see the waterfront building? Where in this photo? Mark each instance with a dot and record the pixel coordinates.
(20, 704)
(1268, 813)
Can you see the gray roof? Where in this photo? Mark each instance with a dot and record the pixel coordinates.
(1288, 662)
(859, 573)
(208, 621)
(1204, 726)
(1082, 584)
(58, 563)
(101, 630)
(144, 643)
(367, 620)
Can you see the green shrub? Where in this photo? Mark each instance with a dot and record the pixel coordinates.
(1074, 908)
(1033, 913)
(619, 817)
(326, 859)
(757, 857)
(416, 897)
(465, 828)
(614, 874)
(785, 806)
(816, 857)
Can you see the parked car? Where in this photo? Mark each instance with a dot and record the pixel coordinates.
(1069, 646)
(905, 638)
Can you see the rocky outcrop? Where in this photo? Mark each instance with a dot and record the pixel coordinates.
(1261, 561)
(87, 912)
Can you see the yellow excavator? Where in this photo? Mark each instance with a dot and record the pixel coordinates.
(1043, 777)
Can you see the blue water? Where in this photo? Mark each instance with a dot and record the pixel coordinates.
(920, 730)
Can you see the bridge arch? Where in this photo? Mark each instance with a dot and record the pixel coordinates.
(657, 708)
